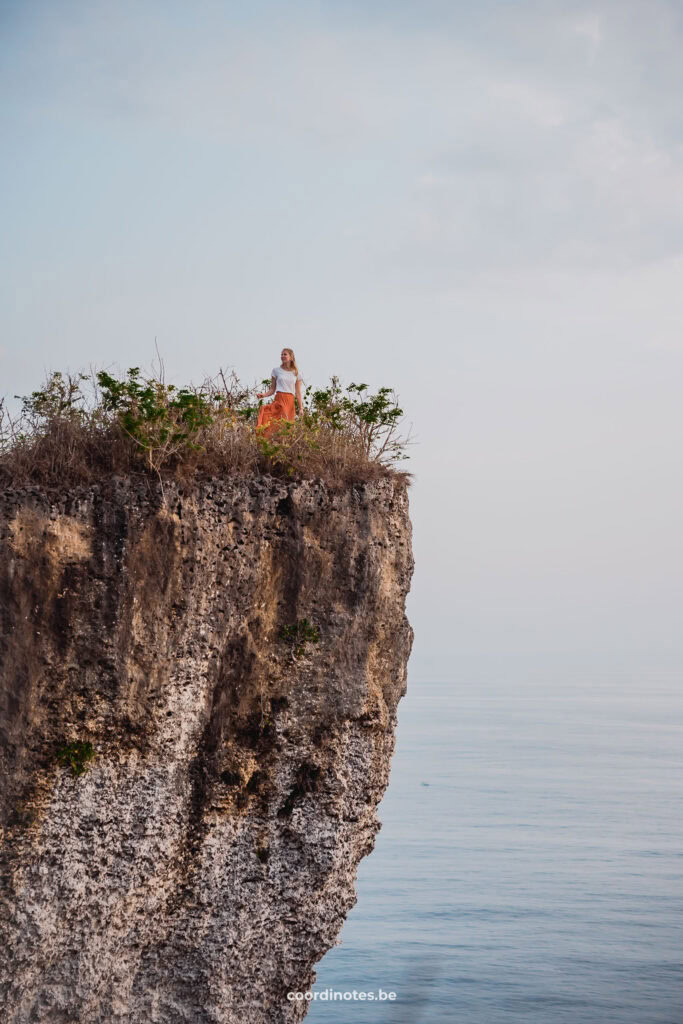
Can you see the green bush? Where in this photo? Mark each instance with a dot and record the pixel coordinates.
(76, 755)
(373, 419)
(162, 420)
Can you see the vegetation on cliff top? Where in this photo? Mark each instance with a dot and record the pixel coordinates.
(79, 428)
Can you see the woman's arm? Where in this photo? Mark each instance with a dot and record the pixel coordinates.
(299, 399)
(267, 394)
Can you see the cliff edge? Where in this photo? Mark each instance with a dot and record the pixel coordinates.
(206, 857)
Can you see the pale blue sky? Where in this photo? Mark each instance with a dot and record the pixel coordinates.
(478, 204)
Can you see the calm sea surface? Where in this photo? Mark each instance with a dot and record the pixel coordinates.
(530, 863)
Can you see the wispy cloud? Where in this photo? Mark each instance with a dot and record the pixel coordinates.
(523, 147)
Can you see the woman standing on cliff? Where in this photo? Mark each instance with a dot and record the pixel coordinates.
(285, 384)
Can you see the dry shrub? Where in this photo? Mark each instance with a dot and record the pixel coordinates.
(79, 428)
(60, 434)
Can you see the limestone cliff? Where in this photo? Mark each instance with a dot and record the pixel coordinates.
(206, 858)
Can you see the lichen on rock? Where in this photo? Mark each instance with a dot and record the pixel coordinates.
(205, 859)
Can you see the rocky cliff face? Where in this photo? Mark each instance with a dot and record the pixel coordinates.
(206, 858)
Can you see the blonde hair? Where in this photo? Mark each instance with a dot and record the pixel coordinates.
(292, 360)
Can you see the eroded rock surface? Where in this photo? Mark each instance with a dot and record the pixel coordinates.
(206, 858)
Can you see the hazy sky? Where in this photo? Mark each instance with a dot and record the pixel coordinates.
(480, 204)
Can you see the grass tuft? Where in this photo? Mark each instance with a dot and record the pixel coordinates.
(76, 755)
(299, 635)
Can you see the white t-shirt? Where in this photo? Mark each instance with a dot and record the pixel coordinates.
(285, 380)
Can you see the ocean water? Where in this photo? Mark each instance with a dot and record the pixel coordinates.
(530, 862)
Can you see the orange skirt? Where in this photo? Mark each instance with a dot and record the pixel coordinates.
(271, 415)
